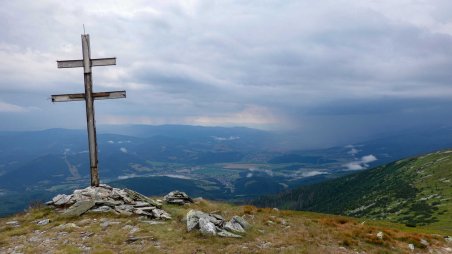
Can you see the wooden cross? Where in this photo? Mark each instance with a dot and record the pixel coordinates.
(89, 98)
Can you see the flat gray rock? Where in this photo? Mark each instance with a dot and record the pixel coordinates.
(79, 208)
(102, 209)
(233, 226)
(61, 199)
(43, 222)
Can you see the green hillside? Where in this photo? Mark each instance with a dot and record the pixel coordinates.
(415, 191)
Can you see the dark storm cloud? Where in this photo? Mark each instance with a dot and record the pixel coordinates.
(328, 69)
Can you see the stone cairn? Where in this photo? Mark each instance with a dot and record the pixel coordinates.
(177, 198)
(214, 224)
(108, 199)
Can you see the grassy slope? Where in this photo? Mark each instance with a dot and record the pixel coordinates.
(416, 192)
(272, 232)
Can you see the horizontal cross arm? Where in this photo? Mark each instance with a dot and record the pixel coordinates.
(79, 63)
(81, 96)
(103, 61)
(109, 95)
(68, 97)
(70, 63)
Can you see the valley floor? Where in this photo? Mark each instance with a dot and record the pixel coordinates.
(273, 231)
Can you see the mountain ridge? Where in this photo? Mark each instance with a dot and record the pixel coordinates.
(415, 191)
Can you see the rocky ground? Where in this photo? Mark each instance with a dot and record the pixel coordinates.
(45, 230)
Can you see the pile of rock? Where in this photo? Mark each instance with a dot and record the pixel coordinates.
(108, 199)
(214, 224)
(178, 198)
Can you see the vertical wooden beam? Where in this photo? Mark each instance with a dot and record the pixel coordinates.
(91, 125)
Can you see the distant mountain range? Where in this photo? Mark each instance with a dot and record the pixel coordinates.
(217, 162)
(415, 191)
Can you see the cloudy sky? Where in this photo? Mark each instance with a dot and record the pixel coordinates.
(330, 71)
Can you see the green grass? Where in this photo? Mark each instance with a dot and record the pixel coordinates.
(416, 192)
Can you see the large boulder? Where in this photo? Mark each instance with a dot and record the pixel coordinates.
(214, 224)
(206, 227)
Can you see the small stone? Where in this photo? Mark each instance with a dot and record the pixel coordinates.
(233, 226)
(198, 199)
(424, 242)
(241, 221)
(275, 209)
(225, 233)
(131, 229)
(380, 235)
(105, 224)
(13, 223)
(448, 239)
(411, 246)
(86, 234)
(134, 239)
(153, 222)
(269, 222)
(134, 230)
(160, 214)
(102, 209)
(34, 239)
(43, 222)
(84, 222)
(264, 245)
(66, 226)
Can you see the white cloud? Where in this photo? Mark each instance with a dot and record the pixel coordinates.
(363, 163)
(123, 149)
(226, 138)
(313, 173)
(368, 159)
(353, 151)
(12, 108)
